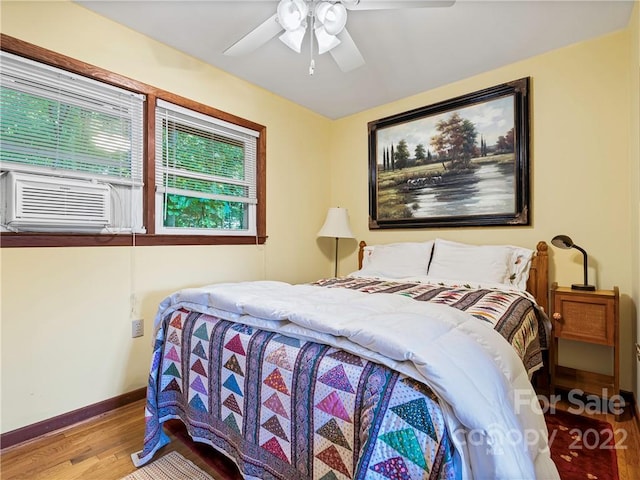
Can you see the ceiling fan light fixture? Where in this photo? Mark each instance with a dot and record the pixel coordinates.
(332, 16)
(321, 10)
(350, 3)
(293, 38)
(292, 14)
(325, 41)
(325, 20)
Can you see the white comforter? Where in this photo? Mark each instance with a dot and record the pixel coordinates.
(493, 415)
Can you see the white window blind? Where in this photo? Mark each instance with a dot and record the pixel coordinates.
(55, 122)
(205, 171)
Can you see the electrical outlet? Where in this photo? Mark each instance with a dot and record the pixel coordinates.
(137, 328)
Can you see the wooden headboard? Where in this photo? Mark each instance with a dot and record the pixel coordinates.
(538, 283)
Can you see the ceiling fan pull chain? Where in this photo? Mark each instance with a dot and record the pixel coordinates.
(312, 64)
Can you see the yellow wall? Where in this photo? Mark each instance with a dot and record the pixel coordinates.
(66, 329)
(66, 311)
(580, 136)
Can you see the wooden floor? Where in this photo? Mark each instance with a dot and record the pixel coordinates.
(100, 449)
(97, 449)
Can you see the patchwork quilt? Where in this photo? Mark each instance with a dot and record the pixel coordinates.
(511, 313)
(326, 381)
(285, 408)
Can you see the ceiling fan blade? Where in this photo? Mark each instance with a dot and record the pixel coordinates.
(347, 55)
(390, 4)
(256, 37)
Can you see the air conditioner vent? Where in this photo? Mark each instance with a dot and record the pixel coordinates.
(40, 203)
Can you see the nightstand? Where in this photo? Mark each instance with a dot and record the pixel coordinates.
(584, 316)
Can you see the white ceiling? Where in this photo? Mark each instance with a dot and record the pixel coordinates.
(407, 51)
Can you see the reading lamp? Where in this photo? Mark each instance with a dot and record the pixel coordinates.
(563, 241)
(336, 225)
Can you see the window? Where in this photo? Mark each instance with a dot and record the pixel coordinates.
(205, 173)
(128, 163)
(87, 134)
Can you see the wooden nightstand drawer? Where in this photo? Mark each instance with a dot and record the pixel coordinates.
(584, 318)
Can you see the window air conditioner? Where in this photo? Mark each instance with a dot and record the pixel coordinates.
(40, 203)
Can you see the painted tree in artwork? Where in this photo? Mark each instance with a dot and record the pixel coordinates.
(393, 158)
(420, 154)
(505, 142)
(402, 154)
(455, 140)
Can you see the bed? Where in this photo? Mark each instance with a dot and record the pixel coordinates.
(389, 372)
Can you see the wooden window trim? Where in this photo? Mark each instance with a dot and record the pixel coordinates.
(33, 52)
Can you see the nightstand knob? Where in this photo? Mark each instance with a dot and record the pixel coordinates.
(557, 316)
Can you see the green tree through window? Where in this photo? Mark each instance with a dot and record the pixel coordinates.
(206, 175)
(42, 132)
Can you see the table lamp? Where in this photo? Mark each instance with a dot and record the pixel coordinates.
(337, 226)
(563, 241)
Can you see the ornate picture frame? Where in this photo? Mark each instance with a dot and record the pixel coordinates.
(457, 163)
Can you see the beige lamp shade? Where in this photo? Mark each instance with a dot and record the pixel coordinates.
(336, 224)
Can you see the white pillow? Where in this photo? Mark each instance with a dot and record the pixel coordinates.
(396, 260)
(472, 263)
(519, 266)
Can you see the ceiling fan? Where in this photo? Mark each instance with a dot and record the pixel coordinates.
(325, 21)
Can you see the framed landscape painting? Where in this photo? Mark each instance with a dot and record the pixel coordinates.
(461, 162)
